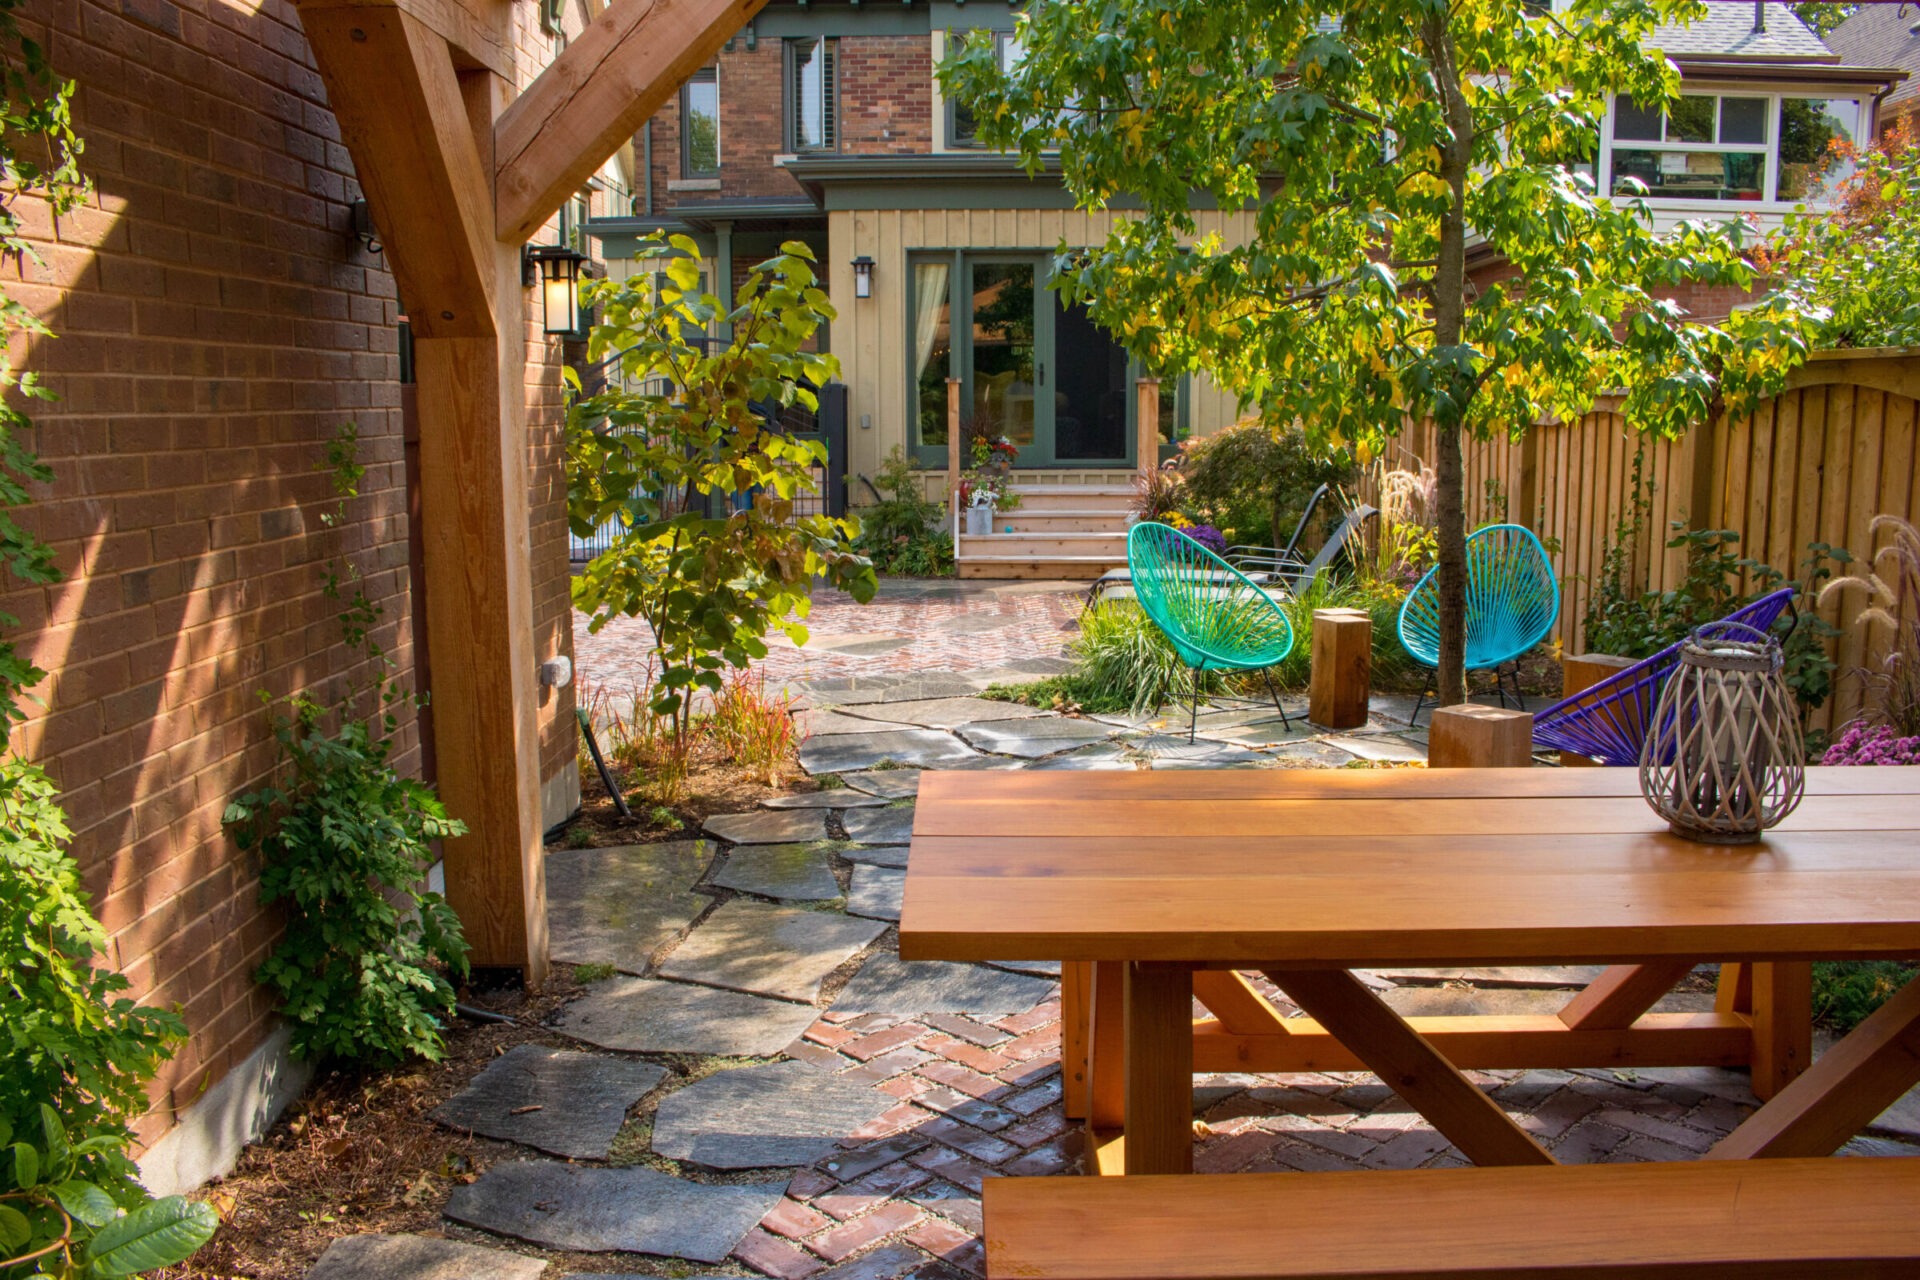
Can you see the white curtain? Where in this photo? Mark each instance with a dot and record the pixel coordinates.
(929, 306)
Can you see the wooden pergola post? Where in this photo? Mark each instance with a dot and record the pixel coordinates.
(459, 173)
(1147, 423)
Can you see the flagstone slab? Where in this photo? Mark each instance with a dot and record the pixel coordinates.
(888, 984)
(1316, 755)
(795, 871)
(1263, 733)
(643, 1015)
(1038, 968)
(597, 1210)
(951, 713)
(559, 1101)
(892, 825)
(617, 906)
(768, 826)
(826, 723)
(838, 798)
(1173, 751)
(768, 950)
(1101, 755)
(917, 747)
(902, 689)
(876, 855)
(1551, 976)
(764, 1117)
(1382, 746)
(392, 1257)
(876, 892)
(1031, 739)
(887, 784)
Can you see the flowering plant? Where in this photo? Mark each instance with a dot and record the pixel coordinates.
(989, 483)
(1207, 536)
(1872, 744)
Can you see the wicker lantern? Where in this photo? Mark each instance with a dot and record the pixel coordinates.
(1725, 759)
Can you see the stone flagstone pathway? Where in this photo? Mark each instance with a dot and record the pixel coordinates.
(767, 1089)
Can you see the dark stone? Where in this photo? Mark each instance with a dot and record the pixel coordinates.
(887, 984)
(786, 1113)
(838, 798)
(768, 950)
(384, 1257)
(887, 784)
(797, 871)
(580, 1100)
(596, 1210)
(876, 892)
(951, 713)
(1031, 739)
(876, 855)
(617, 906)
(640, 1015)
(768, 826)
(844, 751)
(880, 826)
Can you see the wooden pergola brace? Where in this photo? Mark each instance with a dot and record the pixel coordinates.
(459, 174)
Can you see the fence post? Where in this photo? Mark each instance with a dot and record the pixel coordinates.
(1147, 423)
(1527, 500)
(953, 444)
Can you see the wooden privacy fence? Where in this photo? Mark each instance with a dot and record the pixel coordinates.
(1814, 464)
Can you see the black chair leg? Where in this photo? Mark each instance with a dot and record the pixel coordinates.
(1193, 717)
(1267, 674)
(1421, 701)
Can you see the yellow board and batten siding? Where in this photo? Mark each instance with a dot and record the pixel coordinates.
(873, 340)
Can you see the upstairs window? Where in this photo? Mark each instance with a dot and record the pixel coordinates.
(1706, 148)
(813, 95)
(700, 118)
(961, 127)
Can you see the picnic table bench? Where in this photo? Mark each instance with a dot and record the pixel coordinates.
(1155, 888)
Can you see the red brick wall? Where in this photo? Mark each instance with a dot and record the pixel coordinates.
(216, 326)
(886, 95)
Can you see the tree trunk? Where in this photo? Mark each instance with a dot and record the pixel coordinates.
(1449, 318)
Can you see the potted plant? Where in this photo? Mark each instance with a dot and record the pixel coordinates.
(987, 487)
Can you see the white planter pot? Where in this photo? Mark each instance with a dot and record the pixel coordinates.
(979, 521)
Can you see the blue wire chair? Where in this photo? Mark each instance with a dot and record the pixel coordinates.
(1512, 602)
(1215, 617)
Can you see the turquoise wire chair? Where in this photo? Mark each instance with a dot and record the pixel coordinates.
(1213, 615)
(1512, 601)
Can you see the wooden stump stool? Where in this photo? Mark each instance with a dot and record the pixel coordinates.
(1342, 668)
(1475, 737)
(1580, 672)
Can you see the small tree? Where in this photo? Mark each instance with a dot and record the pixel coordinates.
(1380, 147)
(689, 439)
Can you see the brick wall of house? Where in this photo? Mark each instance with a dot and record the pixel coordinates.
(886, 95)
(216, 326)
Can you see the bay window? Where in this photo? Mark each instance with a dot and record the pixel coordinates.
(1732, 146)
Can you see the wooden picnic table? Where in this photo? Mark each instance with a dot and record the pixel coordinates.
(1158, 887)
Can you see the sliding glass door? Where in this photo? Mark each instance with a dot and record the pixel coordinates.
(1030, 368)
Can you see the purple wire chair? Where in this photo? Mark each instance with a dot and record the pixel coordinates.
(1608, 721)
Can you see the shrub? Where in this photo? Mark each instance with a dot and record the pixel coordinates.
(1158, 491)
(1122, 661)
(757, 732)
(1256, 480)
(902, 532)
(1846, 991)
(347, 843)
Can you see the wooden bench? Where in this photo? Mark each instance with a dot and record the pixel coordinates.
(1735, 1219)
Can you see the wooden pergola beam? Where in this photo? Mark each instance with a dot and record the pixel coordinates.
(415, 155)
(592, 98)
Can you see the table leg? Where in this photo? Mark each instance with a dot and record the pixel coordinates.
(1782, 1025)
(1835, 1098)
(1410, 1066)
(1076, 1015)
(1106, 1048)
(1159, 1071)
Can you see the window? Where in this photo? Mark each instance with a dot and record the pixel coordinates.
(1704, 148)
(960, 122)
(813, 106)
(700, 117)
(1808, 128)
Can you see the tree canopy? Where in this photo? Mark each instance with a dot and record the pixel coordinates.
(1383, 149)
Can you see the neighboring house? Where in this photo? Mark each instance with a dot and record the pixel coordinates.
(1885, 35)
(823, 123)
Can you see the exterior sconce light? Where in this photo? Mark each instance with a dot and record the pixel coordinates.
(863, 277)
(556, 267)
(360, 227)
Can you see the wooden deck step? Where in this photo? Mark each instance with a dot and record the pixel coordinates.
(1111, 545)
(1732, 1218)
(1074, 497)
(1066, 568)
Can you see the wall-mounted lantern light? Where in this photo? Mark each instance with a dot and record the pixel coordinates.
(863, 277)
(556, 267)
(360, 226)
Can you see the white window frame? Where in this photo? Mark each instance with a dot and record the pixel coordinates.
(1770, 201)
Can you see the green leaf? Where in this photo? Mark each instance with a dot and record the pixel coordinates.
(154, 1235)
(15, 1230)
(86, 1202)
(26, 1165)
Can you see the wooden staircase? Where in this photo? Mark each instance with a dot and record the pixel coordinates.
(1058, 531)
